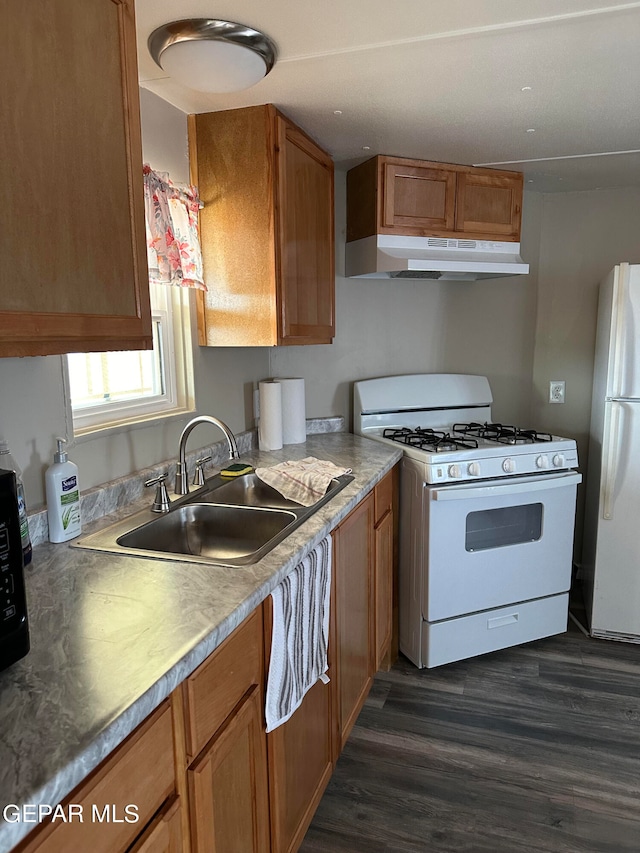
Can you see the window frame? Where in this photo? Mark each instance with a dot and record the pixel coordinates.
(172, 311)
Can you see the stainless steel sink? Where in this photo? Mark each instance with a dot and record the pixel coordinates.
(222, 533)
(226, 522)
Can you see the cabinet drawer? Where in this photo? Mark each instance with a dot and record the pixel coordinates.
(140, 773)
(383, 497)
(164, 835)
(216, 687)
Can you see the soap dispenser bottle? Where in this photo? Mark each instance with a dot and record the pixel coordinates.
(63, 496)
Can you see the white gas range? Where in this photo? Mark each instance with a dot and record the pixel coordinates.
(486, 516)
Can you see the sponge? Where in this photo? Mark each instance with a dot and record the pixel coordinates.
(236, 470)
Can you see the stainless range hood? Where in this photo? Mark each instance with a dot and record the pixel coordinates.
(437, 258)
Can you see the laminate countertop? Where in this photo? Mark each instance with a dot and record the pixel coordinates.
(112, 636)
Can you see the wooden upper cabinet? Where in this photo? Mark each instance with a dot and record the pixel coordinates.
(489, 203)
(304, 250)
(266, 230)
(417, 198)
(74, 272)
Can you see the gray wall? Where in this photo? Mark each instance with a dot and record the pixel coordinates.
(520, 332)
(583, 236)
(387, 327)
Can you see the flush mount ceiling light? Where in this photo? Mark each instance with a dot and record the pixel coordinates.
(212, 56)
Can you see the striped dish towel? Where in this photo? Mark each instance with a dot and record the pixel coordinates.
(299, 635)
(303, 480)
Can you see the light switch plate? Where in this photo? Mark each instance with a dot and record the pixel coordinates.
(556, 391)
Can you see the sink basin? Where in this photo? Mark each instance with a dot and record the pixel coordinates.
(225, 522)
(222, 533)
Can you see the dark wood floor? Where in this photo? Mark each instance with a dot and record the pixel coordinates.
(526, 750)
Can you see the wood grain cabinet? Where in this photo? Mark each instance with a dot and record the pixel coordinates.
(266, 230)
(227, 779)
(300, 758)
(137, 780)
(353, 580)
(385, 582)
(419, 198)
(165, 833)
(74, 273)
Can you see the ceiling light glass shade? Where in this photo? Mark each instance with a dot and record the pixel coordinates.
(212, 56)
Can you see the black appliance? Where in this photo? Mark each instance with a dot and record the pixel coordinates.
(14, 627)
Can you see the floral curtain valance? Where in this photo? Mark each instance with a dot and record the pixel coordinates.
(173, 244)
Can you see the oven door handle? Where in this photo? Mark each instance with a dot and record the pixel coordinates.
(519, 487)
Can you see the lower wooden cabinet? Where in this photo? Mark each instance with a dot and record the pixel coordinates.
(300, 759)
(225, 735)
(165, 833)
(228, 785)
(385, 578)
(353, 613)
(120, 798)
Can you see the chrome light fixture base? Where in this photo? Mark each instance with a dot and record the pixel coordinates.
(227, 33)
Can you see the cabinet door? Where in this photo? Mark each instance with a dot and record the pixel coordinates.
(74, 273)
(228, 786)
(417, 200)
(353, 578)
(383, 587)
(489, 205)
(305, 245)
(300, 758)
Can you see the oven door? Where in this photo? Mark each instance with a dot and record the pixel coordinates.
(497, 542)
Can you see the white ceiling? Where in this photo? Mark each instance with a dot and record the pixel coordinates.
(443, 80)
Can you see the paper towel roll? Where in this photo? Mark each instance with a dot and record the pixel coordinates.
(294, 417)
(270, 426)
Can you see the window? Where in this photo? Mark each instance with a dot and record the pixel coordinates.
(115, 388)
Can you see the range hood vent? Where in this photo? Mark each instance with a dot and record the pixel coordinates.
(435, 258)
(432, 274)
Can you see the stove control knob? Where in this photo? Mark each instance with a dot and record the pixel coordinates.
(508, 466)
(558, 460)
(542, 462)
(455, 472)
(473, 469)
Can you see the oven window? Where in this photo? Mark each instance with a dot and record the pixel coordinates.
(510, 525)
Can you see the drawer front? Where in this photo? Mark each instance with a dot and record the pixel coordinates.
(165, 833)
(479, 633)
(218, 684)
(140, 773)
(383, 497)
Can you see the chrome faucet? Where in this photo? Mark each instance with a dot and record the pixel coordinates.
(182, 480)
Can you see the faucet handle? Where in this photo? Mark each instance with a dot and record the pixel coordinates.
(198, 476)
(161, 501)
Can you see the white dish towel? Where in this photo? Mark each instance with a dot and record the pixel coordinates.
(299, 635)
(303, 480)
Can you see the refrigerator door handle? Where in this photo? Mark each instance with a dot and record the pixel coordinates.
(610, 457)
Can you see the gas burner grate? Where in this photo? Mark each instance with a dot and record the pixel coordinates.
(502, 433)
(429, 439)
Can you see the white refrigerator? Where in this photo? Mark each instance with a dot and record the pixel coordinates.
(611, 548)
